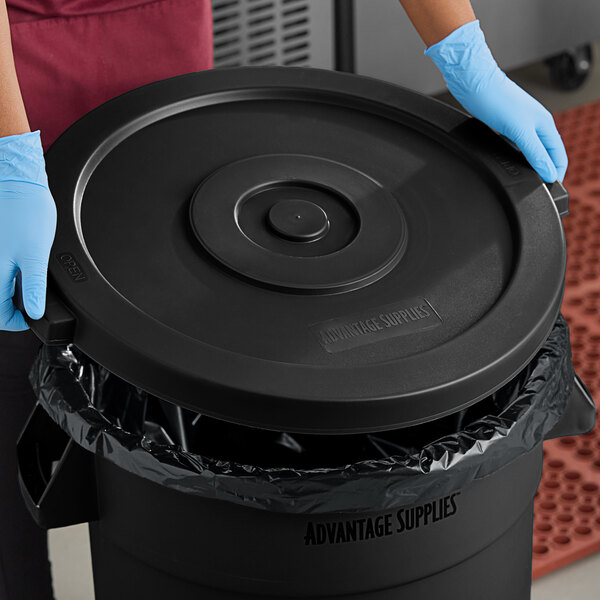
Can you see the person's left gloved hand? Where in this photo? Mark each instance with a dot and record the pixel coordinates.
(476, 81)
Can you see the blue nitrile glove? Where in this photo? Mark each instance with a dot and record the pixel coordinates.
(476, 81)
(27, 225)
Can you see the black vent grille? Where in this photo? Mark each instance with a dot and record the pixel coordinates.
(262, 32)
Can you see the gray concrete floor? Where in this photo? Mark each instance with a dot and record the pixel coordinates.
(69, 547)
(71, 563)
(578, 581)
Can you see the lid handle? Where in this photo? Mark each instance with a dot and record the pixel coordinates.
(560, 196)
(57, 325)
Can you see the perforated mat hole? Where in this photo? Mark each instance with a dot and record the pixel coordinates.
(590, 487)
(586, 509)
(565, 518)
(585, 453)
(561, 539)
(568, 441)
(547, 505)
(572, 475)
(556, 463)
(582, 530)
(551, 485)
(540, 549)
(569, 496)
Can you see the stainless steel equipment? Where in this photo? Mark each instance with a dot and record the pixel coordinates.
(386, 46)
(273, 32)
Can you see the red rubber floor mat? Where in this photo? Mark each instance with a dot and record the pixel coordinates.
(567, 506)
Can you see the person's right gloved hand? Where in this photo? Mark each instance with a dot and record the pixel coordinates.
(27, 226)
(476, 81)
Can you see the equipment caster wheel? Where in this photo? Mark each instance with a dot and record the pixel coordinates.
(570, 69)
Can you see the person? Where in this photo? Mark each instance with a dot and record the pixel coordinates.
(61, 58)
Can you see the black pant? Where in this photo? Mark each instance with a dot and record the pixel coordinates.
(24, 566)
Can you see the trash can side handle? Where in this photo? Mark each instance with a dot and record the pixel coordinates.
(56, 476)
(579, 416)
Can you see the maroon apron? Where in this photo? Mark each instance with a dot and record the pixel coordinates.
(72, 55)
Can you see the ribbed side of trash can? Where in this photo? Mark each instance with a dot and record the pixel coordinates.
(153, 542)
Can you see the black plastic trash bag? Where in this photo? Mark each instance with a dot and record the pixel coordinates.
(295, 473)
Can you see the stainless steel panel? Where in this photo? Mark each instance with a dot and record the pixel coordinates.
(273, 32)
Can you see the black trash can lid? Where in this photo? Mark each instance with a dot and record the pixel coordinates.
(300, 250)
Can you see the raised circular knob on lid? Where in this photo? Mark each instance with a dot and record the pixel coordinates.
(298, 220)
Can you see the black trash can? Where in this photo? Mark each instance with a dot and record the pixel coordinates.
(312, 261)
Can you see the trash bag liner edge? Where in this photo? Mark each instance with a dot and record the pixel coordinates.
(538, 398)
